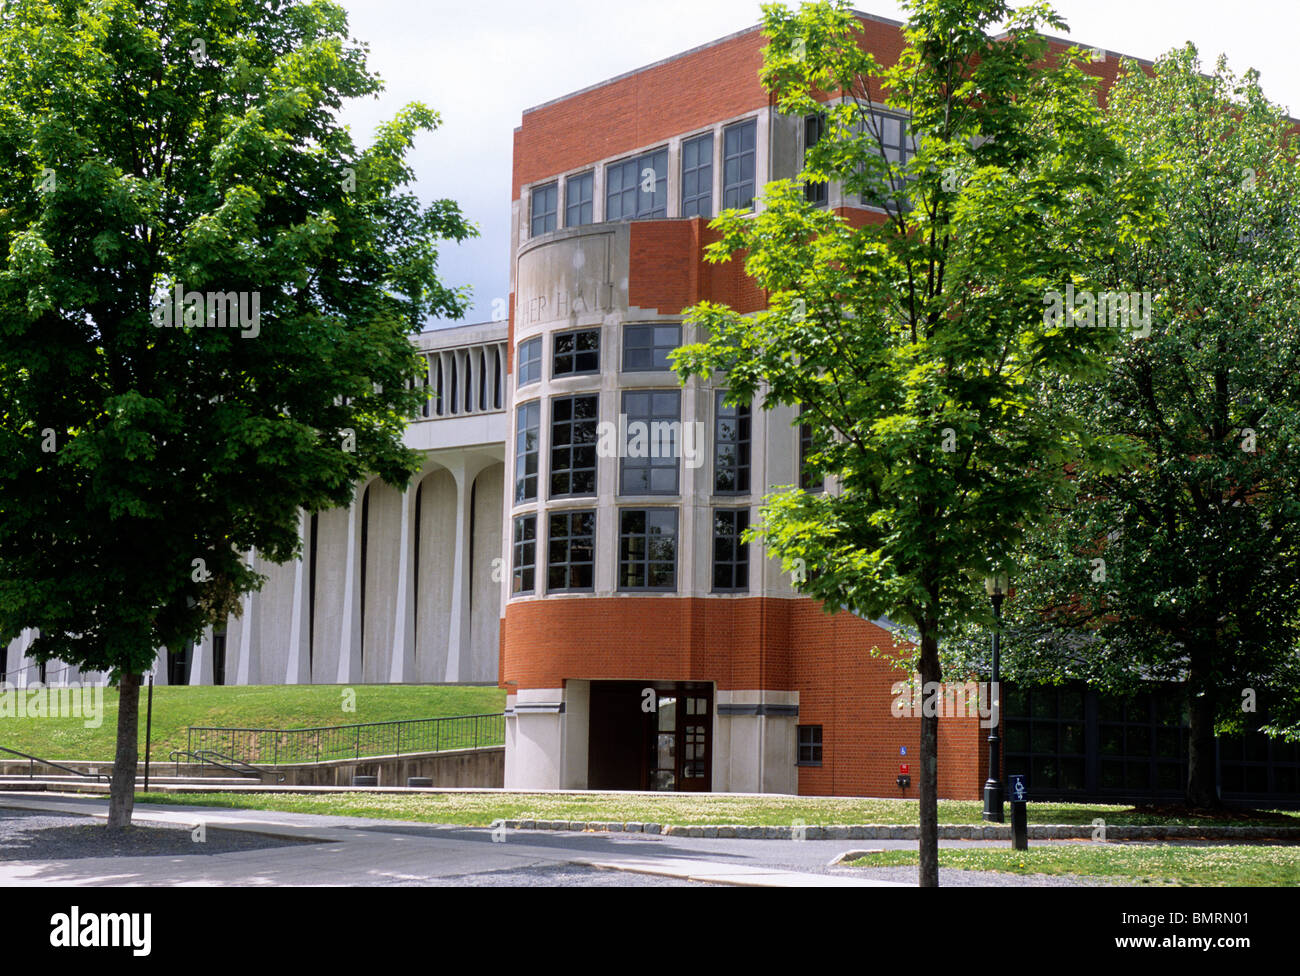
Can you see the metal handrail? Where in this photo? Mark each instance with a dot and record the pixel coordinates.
(31, 773)
(318, 743)
(204, 757)
(207, 754)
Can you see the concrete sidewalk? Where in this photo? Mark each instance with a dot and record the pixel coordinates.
(358, 851)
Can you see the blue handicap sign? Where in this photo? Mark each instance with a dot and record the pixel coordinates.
(1016, 788)
(902, 750)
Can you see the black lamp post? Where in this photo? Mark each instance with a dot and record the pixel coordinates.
(996, 587)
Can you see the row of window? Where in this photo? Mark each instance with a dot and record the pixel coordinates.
(647, 551)
(574, 433)
(645, 349)
(637, 188)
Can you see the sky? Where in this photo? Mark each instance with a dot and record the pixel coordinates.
(481, 63)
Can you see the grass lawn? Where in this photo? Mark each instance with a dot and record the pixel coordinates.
(481, 809)
(247, 706)
(1136, 864)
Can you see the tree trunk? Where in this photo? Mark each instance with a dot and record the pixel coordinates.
(929, 812)
(121, 795)
(1202, 774)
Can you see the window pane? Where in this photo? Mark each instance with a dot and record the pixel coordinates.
(697, 177)
(577, 199)
(575, 352)
(647, 347)
(544, 200)
(573, 440)
(525, 546)
(814, 127)
(530, 361)
(731, 444)
(637, 188)
(730, 555)
(890, 136)
(570, 550)
(739, 165)
(647, 548)
(650, 462)
(527, 428)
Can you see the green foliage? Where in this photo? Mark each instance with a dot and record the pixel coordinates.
(916, 344)
(149, 146)
(1187, 567)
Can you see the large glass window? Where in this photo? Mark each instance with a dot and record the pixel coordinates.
(528, 422)
(637, 187)
(576, 352)
(573, 445)
(654, 430)
(646, 347)
(577, 199)
(814, 127)
(647, 549)
(544, 203)
(697, 176)
(523, 574)
(570, 550)
(738, 156)
(529, 368)
(891, 135)
(731, 448)
(730, 555)
(1045, 734)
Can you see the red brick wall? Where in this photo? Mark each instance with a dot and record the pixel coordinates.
(667, 270)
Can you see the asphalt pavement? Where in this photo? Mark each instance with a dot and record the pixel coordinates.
(277, 848)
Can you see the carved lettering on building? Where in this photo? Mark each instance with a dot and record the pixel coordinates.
(565, 280)
(587, 298)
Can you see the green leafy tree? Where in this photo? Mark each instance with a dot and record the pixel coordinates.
(1186, 568)
(158, 149)
(916, 343)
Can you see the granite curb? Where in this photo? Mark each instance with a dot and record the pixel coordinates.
(912, 832)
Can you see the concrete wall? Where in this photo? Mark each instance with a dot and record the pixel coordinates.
(483, 768)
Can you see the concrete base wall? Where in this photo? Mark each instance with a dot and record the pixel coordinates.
(483, 768)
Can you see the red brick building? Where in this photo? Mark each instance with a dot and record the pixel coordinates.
(642, 646)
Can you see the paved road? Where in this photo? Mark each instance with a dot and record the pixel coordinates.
(310, 849)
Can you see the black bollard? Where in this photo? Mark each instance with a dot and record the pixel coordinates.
(1019, 826)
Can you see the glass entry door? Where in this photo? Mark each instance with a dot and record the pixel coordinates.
(681, 738)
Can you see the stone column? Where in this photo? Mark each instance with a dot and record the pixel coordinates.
(246, 630)
(402, 660)
(349, 669)
(459, 631)
(298, 668)
(202, 654)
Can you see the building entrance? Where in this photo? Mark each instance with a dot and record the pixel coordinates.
(651, 735)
